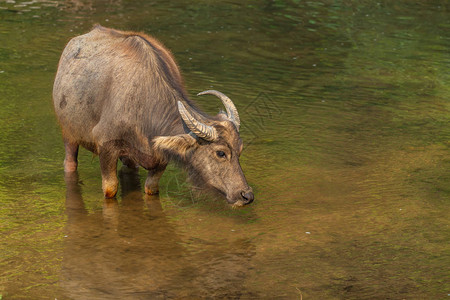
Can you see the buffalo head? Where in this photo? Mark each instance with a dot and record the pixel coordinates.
(211, 150)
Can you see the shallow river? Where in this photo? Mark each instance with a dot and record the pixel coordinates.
(345, 118)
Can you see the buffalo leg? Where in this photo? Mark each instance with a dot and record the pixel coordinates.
(151, 183)
(71, 159)
(108, 166)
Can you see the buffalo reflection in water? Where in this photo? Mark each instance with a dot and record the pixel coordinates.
(131, 251)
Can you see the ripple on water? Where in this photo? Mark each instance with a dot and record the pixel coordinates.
(345, 116)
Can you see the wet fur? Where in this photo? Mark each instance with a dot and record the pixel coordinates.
(116, 93)
(119, 77)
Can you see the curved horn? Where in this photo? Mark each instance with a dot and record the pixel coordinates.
(201, 130)
(232, 112)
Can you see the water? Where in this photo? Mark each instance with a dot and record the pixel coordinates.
(345, 116)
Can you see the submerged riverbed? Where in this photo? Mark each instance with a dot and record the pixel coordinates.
(345, 117)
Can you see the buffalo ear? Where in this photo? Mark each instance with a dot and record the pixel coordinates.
(178, 144)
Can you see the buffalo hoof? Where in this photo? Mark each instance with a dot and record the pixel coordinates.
(110, 194)
(152, 190)
(110, 189)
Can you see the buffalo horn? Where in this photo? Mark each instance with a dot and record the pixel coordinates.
(232, 112)
(201, 130)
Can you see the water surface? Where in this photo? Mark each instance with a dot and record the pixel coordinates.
(345, 118)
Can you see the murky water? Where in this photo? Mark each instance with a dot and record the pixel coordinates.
(345, 110)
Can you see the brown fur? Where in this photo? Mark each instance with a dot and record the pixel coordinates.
(177, 145)
(116, 94)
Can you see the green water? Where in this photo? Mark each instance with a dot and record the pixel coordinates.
(345, 115)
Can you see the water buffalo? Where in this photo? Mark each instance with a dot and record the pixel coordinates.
(121, 96)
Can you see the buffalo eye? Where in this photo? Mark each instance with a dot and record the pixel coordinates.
(221, 154)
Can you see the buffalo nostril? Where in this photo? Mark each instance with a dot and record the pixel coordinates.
(248, 197)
